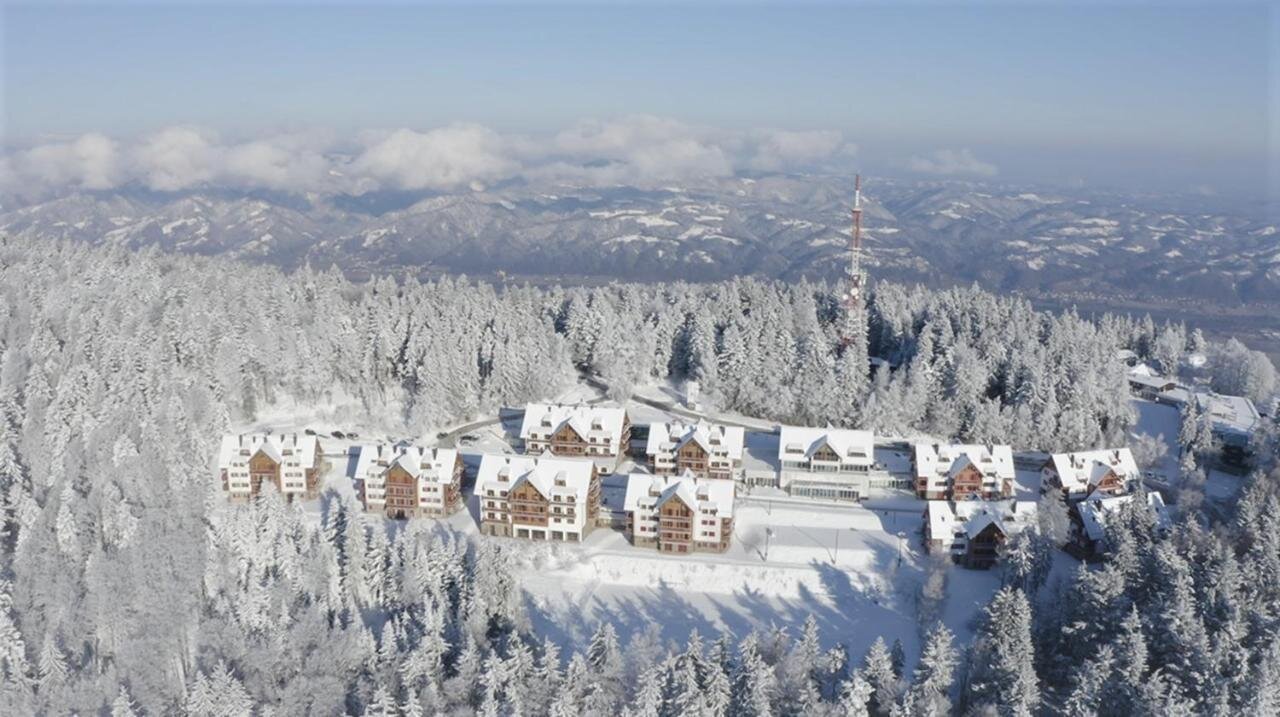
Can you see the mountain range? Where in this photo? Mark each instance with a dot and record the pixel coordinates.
(1005, 238)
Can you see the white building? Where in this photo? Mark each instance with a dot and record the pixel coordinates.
(1108, 471)
(972, 531)
(291, 462)
(951, 471)
(537, 497)
(679, 514)
(406, 481)
(707, 450)
(577, 431)
(825, 462)
(1097, 510)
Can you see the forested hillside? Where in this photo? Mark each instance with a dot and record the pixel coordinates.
(130, 586)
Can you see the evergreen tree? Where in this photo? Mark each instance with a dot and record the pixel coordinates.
(1001, 674)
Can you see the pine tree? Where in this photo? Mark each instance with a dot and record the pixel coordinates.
(754, 683)
(855, 696)
(1001, 674)
(877, 670)
(934, 674)
(122, 706)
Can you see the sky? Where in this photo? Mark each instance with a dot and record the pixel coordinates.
(1158, 96)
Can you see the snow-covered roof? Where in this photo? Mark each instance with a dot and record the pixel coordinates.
(601, 421)
(802, 441)
(971, 517)
(433, 465)
(1142, 375)
(941, 461)
(1234, 416)
(550, 475)
(273, 445)
(1080, 471)
(652, 491)
(1097, 509)
(671, 437)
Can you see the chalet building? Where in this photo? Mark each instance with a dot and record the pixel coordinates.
(406, 481)
(579, 431)
(825, 462)
(679, 514)
(290, 462)
(1232, 419)
(1108, 471)
(1146, 383)
(946, 471)
(1092, 515)
(972, 531)
(706, 450)
(538, 497)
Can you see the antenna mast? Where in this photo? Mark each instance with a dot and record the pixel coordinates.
(857, 277)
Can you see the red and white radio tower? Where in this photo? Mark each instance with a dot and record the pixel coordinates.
(857, 277)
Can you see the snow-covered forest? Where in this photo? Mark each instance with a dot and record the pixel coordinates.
(130, 586)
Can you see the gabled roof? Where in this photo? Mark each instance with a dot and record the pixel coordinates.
(671, 437)
(603, 422)
(1096, 511)
(942, 461)
(274, 445)
(841, 440)
(652, 491)
(410, 458)
(551, 476)
(971, 517)
(1080, 471)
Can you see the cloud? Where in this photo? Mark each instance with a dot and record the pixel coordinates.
(640, 150)
(949, 162)
(445, 158)
(177, 158)
(779, 150)
(91, 161)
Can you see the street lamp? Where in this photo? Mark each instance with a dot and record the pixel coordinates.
(768, 533)
(901, 537)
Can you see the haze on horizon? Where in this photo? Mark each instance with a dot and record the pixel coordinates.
(1135, 96)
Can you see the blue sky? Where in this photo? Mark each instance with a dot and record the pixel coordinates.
(1140, 94)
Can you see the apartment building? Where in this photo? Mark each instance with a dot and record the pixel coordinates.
(680, 514)
(576, 431)
(1108, 471)
(972, 531)
(948, 471)
(703, 449)
(407, 481)
(538, 497)
(290, 462)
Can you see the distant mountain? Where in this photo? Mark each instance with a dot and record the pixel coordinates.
(781, 226)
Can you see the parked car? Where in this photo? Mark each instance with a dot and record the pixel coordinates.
(338, 434)
(309, 432)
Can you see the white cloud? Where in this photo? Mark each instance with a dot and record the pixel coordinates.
(642, 150)
(444, 158)
(91, 161)
(949, 162)
(176, 158)
(777, 150)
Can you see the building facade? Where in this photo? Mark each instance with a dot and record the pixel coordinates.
(538, 497)
(1108, 471)
(406, 481)
(946, 471)
(828, 463)
(706, 450)
(680, 514)
(290, 462)
(1093, 514)
(972, 532)
(577, 431)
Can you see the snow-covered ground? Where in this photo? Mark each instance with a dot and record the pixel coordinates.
(1158, 419)
(839, 563)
